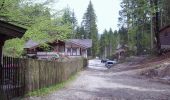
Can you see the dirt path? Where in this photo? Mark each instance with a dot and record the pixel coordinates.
(98, 83)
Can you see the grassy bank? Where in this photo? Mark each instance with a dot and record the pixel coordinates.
(51, 89)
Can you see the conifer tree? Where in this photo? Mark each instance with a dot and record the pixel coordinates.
(90, 26)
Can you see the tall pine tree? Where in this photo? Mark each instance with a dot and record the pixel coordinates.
(70, 19)
(90, 26)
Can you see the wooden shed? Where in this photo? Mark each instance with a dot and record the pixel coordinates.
(120, 52)
(165, 37)
(7, 31)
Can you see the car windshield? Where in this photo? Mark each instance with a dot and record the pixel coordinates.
(109, 62)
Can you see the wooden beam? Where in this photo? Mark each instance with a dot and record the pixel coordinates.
(3, 37)
(1, 46)
(2, 95)
(9, 32)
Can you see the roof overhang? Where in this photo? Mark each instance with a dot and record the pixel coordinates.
(78, 44)
(10, 30)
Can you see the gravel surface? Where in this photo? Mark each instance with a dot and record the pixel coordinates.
(99, 83)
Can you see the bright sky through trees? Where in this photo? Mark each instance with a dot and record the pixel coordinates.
(107, 11)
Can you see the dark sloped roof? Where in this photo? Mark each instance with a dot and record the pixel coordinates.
(31, 44)
(10, 30)
(87, 43)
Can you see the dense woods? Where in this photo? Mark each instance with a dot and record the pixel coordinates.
(144, 19)
(43, 25)
(36, 17)
(139, 25)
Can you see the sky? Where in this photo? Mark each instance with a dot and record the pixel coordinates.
(107, 11)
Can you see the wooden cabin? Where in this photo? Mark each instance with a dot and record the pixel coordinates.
(78, 47)
(120, 52)
(9, 31)
(165, 38)
(35, 50)
(71, 47)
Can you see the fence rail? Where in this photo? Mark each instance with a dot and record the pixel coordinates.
(12, 77)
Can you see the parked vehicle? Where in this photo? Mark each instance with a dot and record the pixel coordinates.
(110, 63)
(104, 60)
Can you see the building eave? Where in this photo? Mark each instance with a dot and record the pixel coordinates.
(10, 30)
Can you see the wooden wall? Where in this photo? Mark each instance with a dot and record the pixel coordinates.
(40, 74)
(165, 38)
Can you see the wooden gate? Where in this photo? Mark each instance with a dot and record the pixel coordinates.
(12, 77)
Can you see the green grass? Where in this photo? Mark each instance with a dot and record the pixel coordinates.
(51, 89)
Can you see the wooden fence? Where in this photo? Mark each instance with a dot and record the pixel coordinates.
(40, 74)
(20, 76)
(12, 82)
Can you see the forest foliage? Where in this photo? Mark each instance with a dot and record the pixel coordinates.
(139, 25)
(143, 20)
(40, 23)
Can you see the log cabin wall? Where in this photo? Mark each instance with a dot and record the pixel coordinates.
(165, 38)
(58, 46)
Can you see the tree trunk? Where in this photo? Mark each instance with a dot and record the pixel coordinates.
(158, 45)
(152, 33)
(105, 52)
(155, 43)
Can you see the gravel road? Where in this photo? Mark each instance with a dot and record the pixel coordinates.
(99, 83)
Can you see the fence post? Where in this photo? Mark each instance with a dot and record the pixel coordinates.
(1, 45)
